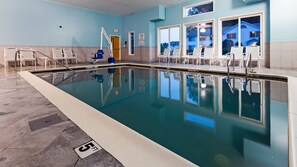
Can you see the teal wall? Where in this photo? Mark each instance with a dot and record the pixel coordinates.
(283, 20)
(36, 22)
(140, 22)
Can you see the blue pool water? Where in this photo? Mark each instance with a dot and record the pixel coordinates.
(213, 121)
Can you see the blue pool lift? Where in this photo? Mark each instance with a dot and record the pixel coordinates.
(99, 54)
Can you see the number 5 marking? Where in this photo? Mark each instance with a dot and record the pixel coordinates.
(86, 147)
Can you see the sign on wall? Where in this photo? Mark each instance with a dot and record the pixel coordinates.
(141, 39)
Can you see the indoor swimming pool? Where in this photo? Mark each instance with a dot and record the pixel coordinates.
(210, 120)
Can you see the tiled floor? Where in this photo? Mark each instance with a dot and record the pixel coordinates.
(20, 103)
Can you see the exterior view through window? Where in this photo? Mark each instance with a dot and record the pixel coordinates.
(242, 31)
(131, 43)
(169, 38)
(197, 9)
(198, 35)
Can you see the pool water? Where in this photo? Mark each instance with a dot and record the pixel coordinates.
(211, 120)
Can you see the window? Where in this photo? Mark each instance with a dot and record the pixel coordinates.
(241, 31)
(198, 35)
(197, 9)
(231, 36)
(131, 38)
(168, 37)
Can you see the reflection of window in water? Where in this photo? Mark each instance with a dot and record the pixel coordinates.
(131, 80)
(192, 90)
(200, 91)
(170, 85)
(251, 101)
(242, 98)
(207, 93)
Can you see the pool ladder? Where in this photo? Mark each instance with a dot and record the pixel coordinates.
(246, 65)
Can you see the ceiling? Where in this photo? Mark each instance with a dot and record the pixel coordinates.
(118, 7)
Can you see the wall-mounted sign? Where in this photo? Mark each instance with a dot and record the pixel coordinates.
(115, 30)
(141, 39)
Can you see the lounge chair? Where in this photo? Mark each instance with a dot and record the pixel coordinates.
(237, 52)
(176, 54)
(193, 56)
(58, 55)
(27, 54)
(196, 55)
(69, 54)
(9, 56)
(253, 53)
(165, 54)
(207, 55)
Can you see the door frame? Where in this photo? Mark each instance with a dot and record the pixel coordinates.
(120, 51)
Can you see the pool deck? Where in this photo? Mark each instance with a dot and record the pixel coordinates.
(34, 149)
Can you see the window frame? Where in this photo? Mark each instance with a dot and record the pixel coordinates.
(239, 17)
(184, 45)
(159, 37)
(129, 43)
(197, 4)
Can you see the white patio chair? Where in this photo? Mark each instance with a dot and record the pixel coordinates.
(176, 54)
(9, 56)
(69, 54)
(27, 54)
(165, 54)
(196, 55)
(237, 52)
(58, 55)
(207, 55)
(254, 53)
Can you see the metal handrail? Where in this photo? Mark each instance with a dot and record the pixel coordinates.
(229, 62)
(36, 51)
(248, 63)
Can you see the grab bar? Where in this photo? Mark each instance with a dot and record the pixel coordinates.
(229, 62)
(248, 63)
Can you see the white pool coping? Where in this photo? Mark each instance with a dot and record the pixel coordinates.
(129, 147)
(126, 145)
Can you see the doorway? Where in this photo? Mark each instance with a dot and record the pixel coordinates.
(115, 40)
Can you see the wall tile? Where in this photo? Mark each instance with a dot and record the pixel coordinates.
(275, 47)
(287, 59)
(275, 60)
(295, 46)
(287, 46)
